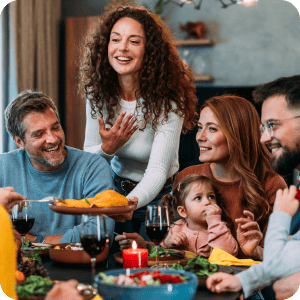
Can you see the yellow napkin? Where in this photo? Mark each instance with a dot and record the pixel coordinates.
(97, 297)
(221, 257)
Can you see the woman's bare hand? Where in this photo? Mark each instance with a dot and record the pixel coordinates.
(119, 134)
(248, 234)
(126, 216)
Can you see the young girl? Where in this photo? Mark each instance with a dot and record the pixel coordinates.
(196, 202)
(195, 215)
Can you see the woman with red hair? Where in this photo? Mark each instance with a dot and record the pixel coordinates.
(233, 157)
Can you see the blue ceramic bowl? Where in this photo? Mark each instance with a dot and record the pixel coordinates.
(184, 291)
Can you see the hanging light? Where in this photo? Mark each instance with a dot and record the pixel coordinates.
(197, 3)
(247, 2)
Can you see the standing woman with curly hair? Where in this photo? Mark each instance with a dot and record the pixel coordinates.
(239, 165)
(140, 98)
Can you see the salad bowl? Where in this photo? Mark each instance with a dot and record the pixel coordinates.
(169, 291)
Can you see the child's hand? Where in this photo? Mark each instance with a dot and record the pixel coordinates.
(176, 239)
(223, 282)
(213, 209)
(248, 234)
(286, 202)
(125, 240)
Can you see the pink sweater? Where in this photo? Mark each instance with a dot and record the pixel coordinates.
(203, 242)
(232, 194)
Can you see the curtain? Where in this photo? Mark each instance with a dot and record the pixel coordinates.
(8, 72)
(37, 25)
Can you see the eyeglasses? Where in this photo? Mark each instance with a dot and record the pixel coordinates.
(270, 124)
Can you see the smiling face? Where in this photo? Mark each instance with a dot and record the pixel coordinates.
(285, 143)
(200, 196)
(211, 139)
(44, 140)
(126, 47)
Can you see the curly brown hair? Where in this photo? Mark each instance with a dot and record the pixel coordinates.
(180, 192)
(164, 80)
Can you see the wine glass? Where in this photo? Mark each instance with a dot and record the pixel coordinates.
(94, 239)
(22, 219)
(157, 225)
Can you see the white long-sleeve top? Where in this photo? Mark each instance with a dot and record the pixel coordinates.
(149, 157)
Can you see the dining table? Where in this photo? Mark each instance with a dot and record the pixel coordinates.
(82, 273)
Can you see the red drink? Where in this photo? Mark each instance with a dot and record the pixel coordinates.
(23, 224)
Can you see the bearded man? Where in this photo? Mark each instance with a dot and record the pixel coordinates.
(280, 117)
(45, 166)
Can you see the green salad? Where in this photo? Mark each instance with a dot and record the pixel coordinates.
(28, 244)
(32, 285)
(198, 265)
(34, 255)
(161, 251)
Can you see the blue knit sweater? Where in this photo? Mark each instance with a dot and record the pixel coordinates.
(82, 175)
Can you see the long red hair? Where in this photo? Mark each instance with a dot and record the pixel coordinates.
(250, 159)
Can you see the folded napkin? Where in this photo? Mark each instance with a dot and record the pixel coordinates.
(97, 297)
(221, 257)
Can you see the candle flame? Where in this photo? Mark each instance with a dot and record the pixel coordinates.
(134, 245)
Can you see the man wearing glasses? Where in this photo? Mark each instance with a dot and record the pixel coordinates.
(280, 129)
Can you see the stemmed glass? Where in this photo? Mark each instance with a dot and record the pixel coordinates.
(157, 225)
(93, 239)
(22, 219)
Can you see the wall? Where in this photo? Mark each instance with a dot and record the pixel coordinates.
(81, 8)
(252, 44)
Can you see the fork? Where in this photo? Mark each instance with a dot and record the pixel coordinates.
(47, 199)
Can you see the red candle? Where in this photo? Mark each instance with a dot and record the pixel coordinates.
(135, 257)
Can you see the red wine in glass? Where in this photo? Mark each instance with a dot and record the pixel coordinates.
(157, 225)
(23, 224)
(22, 219)
(157, 232)
(92, 245)
(94, 239)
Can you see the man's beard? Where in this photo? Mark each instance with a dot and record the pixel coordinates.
(45, 162)
(39, 158)
(288, 161)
